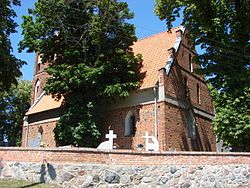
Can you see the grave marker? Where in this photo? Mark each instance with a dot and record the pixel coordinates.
(108, 145)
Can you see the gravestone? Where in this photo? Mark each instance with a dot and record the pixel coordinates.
(108, 145)
(151, 146)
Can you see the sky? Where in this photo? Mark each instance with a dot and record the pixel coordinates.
(146, 23)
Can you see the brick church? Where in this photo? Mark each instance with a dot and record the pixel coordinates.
(173, 103)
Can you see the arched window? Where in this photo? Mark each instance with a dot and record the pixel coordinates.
(40, 135)
(130, 124)
(37, 89)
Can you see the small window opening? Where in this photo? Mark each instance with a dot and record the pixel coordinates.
(130, 124)
(40, 135)
(39, 62)
(37, 89)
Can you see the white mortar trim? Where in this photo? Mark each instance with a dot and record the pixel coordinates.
(161, 93)
(182, 104)
(204, 114)
(137, 94)
(45, 121)
(174, 101)
(162, 97)
(126, 106)
(176, 47)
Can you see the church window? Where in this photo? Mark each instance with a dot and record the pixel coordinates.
(39, 59)
(40, 135)
(38, 67)
(198, 93)
(190, 63)
(130, 124)
(37, 89)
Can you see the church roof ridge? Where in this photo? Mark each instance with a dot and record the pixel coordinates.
(162, 32)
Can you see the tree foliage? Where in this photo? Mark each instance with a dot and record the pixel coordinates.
(222, 29)
(232, 120)
(88, 46)
(9, 64)
(13, 105)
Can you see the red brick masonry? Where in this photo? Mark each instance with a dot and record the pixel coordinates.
(121, 157)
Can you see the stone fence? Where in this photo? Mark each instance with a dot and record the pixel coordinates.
(83, 167)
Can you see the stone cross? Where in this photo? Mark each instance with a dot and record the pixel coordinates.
(151, 146)
(108, 145)
(111, 136)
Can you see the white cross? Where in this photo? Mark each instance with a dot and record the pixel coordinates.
(146, 136)
(111, 136)
(151, 146)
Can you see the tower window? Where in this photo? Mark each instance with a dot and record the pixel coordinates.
(130, 124)
(39, 59)
(37, 89)
(190, 63)
(38, 67)
(39, 62)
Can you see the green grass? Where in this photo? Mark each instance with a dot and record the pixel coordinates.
(23, 184)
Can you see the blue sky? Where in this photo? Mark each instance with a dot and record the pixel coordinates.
(146, 22)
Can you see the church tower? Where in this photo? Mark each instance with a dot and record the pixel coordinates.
(39, 79)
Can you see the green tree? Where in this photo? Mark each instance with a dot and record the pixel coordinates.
(13, 105)
(232, 120)
(222, 29)
(9, 64)
(91, 62)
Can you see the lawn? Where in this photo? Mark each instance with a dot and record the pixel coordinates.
(23, 184)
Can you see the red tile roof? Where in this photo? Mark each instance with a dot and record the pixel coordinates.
(45, 103)
(154, 50)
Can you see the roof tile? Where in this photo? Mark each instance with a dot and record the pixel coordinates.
(45, 103)
(154, 50)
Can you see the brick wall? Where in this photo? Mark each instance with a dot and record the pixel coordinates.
(121, 157)
(83, 167)
(115, 120)
(176, 128)
(47, 136)
(183, 70)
